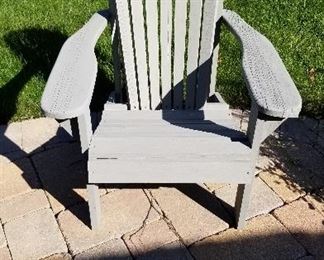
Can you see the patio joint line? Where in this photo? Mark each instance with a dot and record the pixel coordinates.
(167, 220)
(144, 223)
(130, 252)
(292, 235)
(55, 215)
(5, 236)
(310, 204)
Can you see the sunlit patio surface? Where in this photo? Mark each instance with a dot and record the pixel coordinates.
(44, 214)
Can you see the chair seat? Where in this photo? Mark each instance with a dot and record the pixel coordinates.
(168, 147)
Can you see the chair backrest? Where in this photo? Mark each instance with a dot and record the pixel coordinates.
(168, 49)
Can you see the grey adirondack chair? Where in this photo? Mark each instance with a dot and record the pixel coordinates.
(173, 127)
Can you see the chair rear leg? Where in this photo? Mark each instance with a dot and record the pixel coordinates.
(94, 205)
(242, 201)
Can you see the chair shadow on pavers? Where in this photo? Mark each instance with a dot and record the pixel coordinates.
(291, 161)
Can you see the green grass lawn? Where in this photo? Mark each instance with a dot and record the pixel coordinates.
(32, 32)
(296, 28)
(31, 35)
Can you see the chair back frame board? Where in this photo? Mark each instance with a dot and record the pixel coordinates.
(170, 51)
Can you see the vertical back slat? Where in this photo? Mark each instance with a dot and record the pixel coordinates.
(180, 17)
(140, 52)
(153, 50)
(117, 65)
(216, 50)
(214, 69)
(115, 52)
(128, 52)
(193, 49)
(165, 38)
(212, 11)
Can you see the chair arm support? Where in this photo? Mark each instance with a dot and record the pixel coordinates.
(69, 88)
(269, 83)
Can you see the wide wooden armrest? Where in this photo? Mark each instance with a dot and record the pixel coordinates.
(69, 88)
(269, 83)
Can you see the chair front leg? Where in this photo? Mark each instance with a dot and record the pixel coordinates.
(242, 201)
(85, 130)
(94, 205)
(259, 128)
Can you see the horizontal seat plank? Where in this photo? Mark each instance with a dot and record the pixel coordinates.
(168, 172)
(167, 115)
(159, 146)
(163, 123)
(142, 147)
(170, 130)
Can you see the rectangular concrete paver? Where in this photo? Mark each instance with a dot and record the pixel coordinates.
(41, 132)
(171, 251)
(191, 220)
(34, 236)
(299, 137)
(3, 242)
(264, 161)
(149, 238)
(62, 171)
(263, 237)
(17, 177)
(113, 250)
(313, 162)
(10, 138)
(5, 254)
(301, 130)
(122, 211)
(305, 223)
(284, 185)
(294, 166)
(22, 204)
(12, 156)
(317, 200)
(263, 199)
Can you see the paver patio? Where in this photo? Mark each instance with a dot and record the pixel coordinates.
(43, 209)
